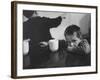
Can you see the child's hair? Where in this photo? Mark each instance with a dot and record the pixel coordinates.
(71, 29)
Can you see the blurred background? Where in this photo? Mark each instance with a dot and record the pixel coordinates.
(83, 20)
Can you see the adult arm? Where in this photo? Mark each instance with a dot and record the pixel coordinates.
(52, 22)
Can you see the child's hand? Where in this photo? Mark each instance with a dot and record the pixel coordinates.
(84, 45)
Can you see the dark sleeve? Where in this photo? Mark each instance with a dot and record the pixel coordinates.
(52, 22)
(25, 30)
(62, 45)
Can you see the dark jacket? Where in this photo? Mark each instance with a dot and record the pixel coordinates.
(37, 29)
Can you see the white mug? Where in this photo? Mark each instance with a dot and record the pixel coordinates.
(53, 45)
(26, 46)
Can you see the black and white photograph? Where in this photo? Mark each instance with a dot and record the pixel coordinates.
(56, 39)
(53, 39)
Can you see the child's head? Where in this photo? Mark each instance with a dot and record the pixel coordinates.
(73, 35)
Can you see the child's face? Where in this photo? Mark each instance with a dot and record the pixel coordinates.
(72, 40)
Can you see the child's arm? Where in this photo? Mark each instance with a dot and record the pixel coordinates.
(84, 45)
(82, 48)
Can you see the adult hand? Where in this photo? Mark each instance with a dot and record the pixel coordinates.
(43, 44)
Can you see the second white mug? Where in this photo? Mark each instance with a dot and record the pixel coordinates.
(53, 45)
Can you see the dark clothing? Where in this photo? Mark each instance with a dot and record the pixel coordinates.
(74, 58)
(37, 29)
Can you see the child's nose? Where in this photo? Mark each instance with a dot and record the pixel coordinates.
(71, 44)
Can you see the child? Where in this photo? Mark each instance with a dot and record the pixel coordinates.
(78, 49)
(74, 48)
(75, 41)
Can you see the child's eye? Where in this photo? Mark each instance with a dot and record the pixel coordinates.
(73, 40)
